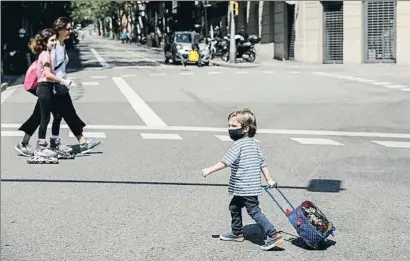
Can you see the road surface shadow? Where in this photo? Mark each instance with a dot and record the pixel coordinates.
(298, 242)
(133, 183)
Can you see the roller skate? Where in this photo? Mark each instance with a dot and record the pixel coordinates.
(43, 155)
(62, 151)
(42, 160)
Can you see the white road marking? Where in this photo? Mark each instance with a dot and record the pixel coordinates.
(146, 114)
(393, 144)
(214, 72)
(99, 77)
(223, 137)
(381, 83)
(241, 72)
(217, 129)
(311, 141)
(344, 77)
(146, 58)
(186, 73)
(128, 75)
(71, 78)
(405, 90)
(267, 72)
(158, 74)
(89, 83)
(12, 133)
(363, 80)
(8, 92)
(96, 135)
(294, 72)
(99, 58)
(160, 136)
(395, 86)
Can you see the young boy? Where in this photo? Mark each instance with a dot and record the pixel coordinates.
(246, 161)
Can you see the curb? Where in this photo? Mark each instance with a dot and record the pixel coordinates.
(235, 65)
(4, 86)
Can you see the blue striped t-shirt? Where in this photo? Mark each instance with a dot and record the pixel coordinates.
(246, 160)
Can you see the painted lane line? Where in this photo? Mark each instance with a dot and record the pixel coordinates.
(405, 90)
(267, 72)
(158, 74)
(160, 136)
(99, 77)
(310, 141)
(240, 72)
(223, 137)
(381, 83)
(146, 114)
(393, 144)
(12, 133)
(96, 135)
(226, 138)
(214, 72)
(395, 86)
(294, 72)
(128, 75)
(363, 80)
(146, 58)
(99, 58)
(90, 83)
(218, 129)
(186, 73)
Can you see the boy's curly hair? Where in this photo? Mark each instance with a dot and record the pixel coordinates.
(39, 42)
(247, 119)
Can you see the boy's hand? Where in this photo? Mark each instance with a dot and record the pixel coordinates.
(206, 172)
(272, 184)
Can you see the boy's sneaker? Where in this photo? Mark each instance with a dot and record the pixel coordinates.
(89, 146)
(232, 237)
(272, 242)
(24, 149)
(55, 144)
(43, 151)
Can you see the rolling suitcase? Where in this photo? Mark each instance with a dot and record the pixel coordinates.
(310, 223)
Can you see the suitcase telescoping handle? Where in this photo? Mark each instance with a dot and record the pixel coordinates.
(267, 189)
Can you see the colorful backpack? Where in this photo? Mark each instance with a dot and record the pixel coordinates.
(30, 80)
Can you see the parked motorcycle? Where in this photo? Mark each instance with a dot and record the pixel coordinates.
(15, 62)
(244, 49)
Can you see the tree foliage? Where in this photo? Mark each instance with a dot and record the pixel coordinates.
(93, 10)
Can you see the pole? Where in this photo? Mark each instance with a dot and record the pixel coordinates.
(232, 44)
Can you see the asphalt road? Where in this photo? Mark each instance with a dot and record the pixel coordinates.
(341, 142)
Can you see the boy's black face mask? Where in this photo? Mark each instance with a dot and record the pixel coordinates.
(236, 133)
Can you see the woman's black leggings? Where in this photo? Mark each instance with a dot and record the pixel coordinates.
(63, 107)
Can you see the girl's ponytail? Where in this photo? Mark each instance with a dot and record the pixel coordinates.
(32, 45)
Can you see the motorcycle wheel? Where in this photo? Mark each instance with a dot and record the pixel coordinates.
(251, 56)
(225, 56)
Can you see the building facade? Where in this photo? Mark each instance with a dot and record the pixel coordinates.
(349, 32)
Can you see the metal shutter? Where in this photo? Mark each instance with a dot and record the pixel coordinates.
(380, 31)
(291, 31)
(333, 32)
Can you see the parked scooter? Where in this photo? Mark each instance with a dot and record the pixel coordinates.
(244, 49)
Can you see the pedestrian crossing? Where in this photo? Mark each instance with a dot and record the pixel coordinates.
(301, 141)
